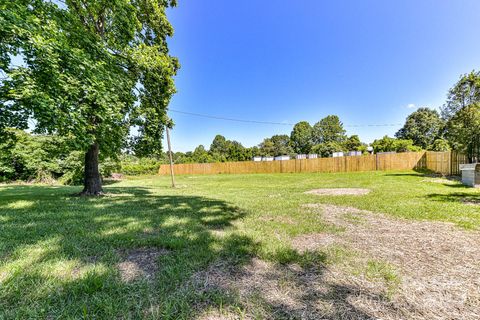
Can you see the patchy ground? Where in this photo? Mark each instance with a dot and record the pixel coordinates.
(235, 247)
(439, 263)
(339, 192)
(139, 264)
(273, 291)
(396, 269)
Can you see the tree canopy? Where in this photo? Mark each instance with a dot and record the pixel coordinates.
(277, 145)
(388, 144)
(90, 71)
(301, 137)
(462, 114)
(423, 127)
(329, 129)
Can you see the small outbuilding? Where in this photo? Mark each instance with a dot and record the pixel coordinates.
(257, 159)
(471, 174)
(267, 158)
(301, 156)
(354, 153)
(282, 158)
(337, 154)
(312, 156)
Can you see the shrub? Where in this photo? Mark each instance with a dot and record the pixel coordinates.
(387, 144)
(130, 165)
(43, 158)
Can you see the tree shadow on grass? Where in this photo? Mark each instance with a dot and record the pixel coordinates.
(423, 173)
(60, 254)
(299, 287)
(459, 197)
(60, 258)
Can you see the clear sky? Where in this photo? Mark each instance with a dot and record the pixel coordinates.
(369, 62)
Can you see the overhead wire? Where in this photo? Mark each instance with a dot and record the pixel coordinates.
(272, 122)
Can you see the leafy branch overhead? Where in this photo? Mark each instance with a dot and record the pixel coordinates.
(91, 69)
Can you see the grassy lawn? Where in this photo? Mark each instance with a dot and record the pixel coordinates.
(60, 255)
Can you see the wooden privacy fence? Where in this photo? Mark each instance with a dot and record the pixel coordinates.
(441, 162)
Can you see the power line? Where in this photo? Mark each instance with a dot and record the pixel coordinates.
(274, 123)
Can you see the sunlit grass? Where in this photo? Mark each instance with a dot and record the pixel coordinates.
(58, 252)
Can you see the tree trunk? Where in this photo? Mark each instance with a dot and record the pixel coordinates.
(92, 185)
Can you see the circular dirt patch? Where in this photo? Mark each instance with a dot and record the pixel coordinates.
(339, 192)
(312, 241)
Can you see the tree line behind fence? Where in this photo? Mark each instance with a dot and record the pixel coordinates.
(441, 162)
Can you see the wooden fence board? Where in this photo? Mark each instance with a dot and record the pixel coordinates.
(442, 162)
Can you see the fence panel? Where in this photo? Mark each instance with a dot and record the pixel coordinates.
(441, 162)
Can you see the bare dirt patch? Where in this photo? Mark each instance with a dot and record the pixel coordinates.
(438, 268)
(393, 269)
(139, 263)
(272, 291)
(339, 192)
(439, 263)
(312, 241)
(218, 315)
(442, 180)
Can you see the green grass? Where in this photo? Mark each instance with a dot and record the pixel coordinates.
(58, 253)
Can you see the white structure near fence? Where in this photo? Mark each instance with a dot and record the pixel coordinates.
(312, 156)
(301, 156)
(256, 159)
(282, 158)
(267, 158)
(337, 154)
(471, 174)
(354, 153)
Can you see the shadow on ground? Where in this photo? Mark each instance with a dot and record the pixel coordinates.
(304, 290)
(459, 197)
(60, 254)
(60, 258)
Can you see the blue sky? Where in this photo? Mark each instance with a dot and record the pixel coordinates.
(287, 61)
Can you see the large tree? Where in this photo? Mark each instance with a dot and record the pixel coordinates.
(353, 143)
(423, 127)
(464, 93)
(219, 145)
(462, 113)
(463, 131)
(329, 129)
(277, 145)
(88, 71)
(301, 137)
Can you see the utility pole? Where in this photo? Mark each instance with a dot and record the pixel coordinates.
(170, 156)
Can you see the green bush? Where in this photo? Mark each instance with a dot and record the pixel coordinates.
(130, 165)
(43, 158)
(387, 144)
(440, 145)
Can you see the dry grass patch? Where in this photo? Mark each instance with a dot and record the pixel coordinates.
(272, 291)
(139, 263)
(439, 263)
(219, 315)
(339, 192)
(441, 180)
(312, 242)
(277, 218)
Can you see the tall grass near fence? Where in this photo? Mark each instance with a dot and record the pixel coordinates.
(441, 162)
